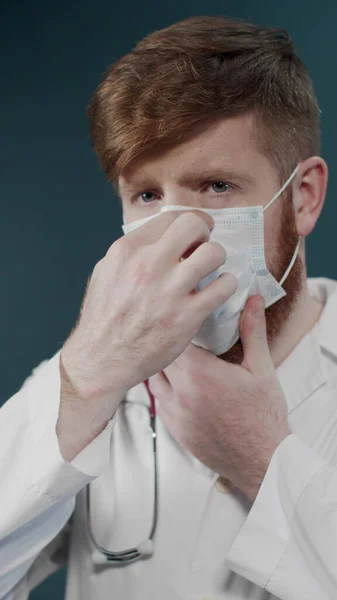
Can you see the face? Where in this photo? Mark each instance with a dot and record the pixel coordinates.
(221, 167)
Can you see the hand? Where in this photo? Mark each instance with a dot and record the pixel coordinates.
(231, 417)
(141, 310)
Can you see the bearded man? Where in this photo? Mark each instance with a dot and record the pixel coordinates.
(183, 442)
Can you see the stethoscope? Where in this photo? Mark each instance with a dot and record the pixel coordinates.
(144, 549)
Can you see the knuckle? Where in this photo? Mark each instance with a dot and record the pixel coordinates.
(122, 249)
(230, 282)
(215, 252)
(118, 248)
(97, 273)
(97, 268)
(171, 321)
(222, 294)
(222, 290)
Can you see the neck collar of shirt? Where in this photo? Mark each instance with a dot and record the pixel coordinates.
(303, 371)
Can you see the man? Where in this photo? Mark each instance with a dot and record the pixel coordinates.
(198, 128)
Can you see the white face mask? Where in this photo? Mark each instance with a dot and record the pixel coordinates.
(241, 232)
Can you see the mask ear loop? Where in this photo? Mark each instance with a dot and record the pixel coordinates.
(282, 188)
(291, 264)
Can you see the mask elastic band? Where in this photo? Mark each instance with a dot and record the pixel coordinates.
(291, 262)
(282, 188)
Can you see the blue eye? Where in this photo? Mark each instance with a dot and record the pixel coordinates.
(220, 186)
(147, 196)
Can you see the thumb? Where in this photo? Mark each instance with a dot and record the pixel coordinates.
(253, 332)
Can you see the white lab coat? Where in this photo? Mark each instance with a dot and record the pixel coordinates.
(211, 542)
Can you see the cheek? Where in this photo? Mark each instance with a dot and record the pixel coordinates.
(132, 213)
(127, 213)
(281, 239)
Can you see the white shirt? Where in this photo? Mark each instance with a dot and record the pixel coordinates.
(211, 542)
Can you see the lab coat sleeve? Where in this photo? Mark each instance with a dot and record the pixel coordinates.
(38, 487)
(288, 544)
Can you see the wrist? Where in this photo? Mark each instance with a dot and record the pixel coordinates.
(78, 381)
(75, 429)
(251, 486)
(82, 417)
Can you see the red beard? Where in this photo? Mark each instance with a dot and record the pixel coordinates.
(278, 313)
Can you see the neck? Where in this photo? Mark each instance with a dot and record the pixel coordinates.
(302, 319)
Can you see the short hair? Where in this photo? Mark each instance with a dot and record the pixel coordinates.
(197, 72)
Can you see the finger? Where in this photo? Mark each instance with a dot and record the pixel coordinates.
(214, 295)
(167, 414)
(187, 232)
(193, 355)
(172, 372)
(254, 336)
(152, 231)
(159, 385)
(205, 259)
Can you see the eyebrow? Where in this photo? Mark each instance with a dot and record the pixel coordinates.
(218, 173)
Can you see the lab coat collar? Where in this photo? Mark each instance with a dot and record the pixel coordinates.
(303, 372)
(325, 290)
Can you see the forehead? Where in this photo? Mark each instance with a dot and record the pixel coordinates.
(227, 144)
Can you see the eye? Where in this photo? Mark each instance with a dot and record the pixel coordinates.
(220, 187)
(147, 196)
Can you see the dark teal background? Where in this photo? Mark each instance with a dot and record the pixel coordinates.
(58, 216)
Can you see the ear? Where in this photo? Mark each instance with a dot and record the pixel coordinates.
(309, 193)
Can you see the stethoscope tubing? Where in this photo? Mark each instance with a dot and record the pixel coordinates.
(132, 554)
